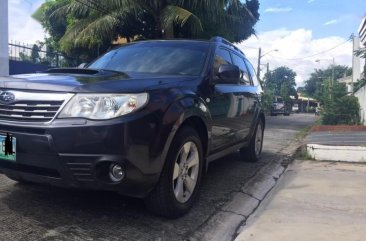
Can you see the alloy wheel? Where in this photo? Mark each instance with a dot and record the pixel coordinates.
(186, 171)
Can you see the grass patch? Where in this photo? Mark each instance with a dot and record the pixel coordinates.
(303, 133)
(304, 155)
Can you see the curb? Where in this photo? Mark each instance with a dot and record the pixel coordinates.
(229, 221)
(336, 153)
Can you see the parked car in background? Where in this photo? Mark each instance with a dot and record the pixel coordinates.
(279, 107)
(143, 120)
(295, 108)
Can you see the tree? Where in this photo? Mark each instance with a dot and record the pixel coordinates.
(281, 82)
(338, 107)
(92, 25)
(35, 54)
(314, 85)
(56, 29)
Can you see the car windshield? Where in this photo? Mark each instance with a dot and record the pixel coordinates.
(167, 58)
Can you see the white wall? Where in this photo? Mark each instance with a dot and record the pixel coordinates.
(361, 95)
(4, 51)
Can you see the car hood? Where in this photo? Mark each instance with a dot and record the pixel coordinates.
(100, 81)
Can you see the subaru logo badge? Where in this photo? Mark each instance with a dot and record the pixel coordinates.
(6, 97)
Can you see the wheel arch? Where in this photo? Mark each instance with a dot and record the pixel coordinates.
(188, 111)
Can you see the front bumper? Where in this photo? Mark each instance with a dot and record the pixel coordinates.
(77, 153)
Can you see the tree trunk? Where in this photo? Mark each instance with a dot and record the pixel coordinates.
(169, 32)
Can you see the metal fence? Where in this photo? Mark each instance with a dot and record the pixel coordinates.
(39, 54)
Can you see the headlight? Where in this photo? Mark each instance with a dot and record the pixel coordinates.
(102, 106)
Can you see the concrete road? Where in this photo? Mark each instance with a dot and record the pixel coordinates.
(32, 212)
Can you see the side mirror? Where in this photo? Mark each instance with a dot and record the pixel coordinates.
(82, 65)
(228, 74)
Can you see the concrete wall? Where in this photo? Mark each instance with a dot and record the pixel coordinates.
(361, 95)
(4, 52)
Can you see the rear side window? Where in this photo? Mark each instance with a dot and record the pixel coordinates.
(244, 77)
(253, 75)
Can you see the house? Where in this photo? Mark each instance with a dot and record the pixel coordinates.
(361, 93)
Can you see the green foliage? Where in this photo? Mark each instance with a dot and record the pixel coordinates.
(35, 54)
(303, 154)
(281, 82)
(88, 29)
(339, 108)
(234, 23)
(359, 84)
(267, 98)
(313, 86)
(362, 82)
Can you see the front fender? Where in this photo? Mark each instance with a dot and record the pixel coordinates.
(177, 115)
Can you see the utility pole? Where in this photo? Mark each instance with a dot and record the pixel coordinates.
(4, 49)
(260, 55)
(333, 73)
(259, 63)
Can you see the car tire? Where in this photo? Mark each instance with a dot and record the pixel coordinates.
(180, 179)
(253, 152)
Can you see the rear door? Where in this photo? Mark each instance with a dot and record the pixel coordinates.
(246, 93)
(255, 92)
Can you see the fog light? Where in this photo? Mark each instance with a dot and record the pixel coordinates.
(116, 173)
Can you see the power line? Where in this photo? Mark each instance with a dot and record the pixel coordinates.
(313, 55)
(249, 47)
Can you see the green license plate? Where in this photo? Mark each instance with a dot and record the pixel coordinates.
(8, 147)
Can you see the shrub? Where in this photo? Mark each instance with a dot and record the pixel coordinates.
(343, 111)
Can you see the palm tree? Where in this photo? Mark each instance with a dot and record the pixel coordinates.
(94, 22)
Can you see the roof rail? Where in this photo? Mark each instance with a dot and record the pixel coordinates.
(225, 41)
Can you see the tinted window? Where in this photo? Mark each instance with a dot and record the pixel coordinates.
(171, 58)
(253, 75)
(222, 56)
(244, 77)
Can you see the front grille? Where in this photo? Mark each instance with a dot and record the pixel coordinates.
(30, 111)
(26, 106)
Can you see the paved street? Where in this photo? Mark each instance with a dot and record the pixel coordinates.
(31, 212)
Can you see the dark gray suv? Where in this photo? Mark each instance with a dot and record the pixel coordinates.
(143, 120)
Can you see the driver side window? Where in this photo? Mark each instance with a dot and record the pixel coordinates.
(222, 56)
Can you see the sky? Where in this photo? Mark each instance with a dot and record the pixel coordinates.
(296, 28)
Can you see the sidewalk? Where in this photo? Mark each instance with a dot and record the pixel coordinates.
(317, 200)
(313, 201)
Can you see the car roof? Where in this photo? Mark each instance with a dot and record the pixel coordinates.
(217, 41)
